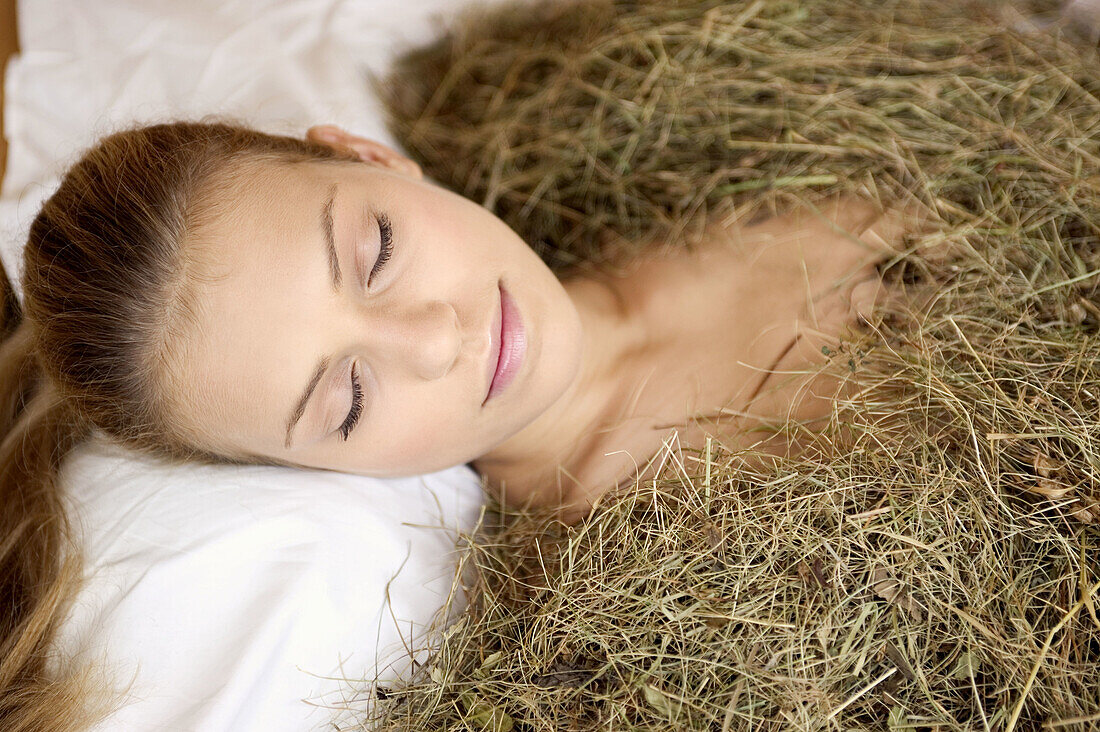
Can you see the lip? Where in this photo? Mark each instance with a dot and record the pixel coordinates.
(509, 344)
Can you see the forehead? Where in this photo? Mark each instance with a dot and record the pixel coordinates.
(260, 267)
(244, 204)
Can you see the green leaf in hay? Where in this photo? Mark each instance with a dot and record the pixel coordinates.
(967, 665)
(657, 699)
(898, 718)
(490, 662)
(469, 700)
(455, 627)
(481, 715)
(490, 719)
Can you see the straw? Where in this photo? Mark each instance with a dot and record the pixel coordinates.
(941, 572)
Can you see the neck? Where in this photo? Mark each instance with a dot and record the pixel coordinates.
(565, 431)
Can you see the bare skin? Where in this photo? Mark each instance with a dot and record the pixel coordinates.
(723, 331)
(298, 330)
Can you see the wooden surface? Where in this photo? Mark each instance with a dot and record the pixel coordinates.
(9, 44)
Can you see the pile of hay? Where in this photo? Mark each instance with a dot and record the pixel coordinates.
(944, 573)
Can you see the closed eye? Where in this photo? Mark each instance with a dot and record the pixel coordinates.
(356, 405)
(385, 236)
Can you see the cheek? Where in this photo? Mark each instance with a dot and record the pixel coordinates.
(470, 234)
(413, 431)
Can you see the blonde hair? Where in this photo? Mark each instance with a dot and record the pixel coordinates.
(101, 283)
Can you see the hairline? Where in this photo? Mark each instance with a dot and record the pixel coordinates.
(184, 308)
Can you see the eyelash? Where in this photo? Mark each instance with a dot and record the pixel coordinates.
(386, 234)
(356, 406)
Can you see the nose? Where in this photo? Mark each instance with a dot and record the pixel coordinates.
(423, 339)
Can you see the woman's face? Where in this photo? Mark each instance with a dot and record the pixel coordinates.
(301, 321)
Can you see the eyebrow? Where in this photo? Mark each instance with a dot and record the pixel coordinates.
(300, 407)
(330, 239)
(327, 229)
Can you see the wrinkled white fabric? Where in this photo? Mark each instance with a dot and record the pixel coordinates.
(88, 68)
(248, 597)
(225, 596)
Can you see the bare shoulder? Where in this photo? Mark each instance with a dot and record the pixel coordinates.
(839, 234)
(872, 226)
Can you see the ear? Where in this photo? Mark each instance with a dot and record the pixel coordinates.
(369, 151)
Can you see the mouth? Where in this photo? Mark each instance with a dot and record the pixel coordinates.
(508, 344)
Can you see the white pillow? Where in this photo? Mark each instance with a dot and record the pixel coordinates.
(226, 594)
(240, 597)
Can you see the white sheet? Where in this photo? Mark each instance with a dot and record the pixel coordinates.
(239, 598)
(227, 594)
(87, 68)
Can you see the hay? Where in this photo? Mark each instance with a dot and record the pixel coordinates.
(942, 573)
